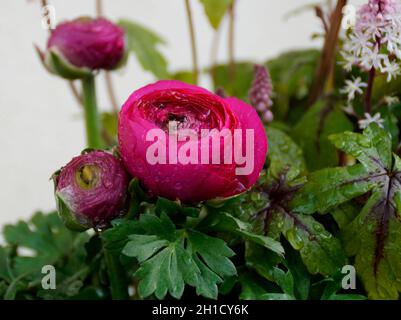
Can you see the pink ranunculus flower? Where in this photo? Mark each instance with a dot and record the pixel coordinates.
(91, 190)
(190, 172)
(89, 43)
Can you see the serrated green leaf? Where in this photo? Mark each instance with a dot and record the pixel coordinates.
(143, 246)
(373, 237)
(43, 240)
(143, 43)
(170, 258)
(116, 237)
(46, 236)
(321, 252)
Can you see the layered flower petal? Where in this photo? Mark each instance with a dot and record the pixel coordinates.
(194, 168)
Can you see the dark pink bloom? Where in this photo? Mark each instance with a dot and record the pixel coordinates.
(191, 107)
(92, 43)
(91, 190)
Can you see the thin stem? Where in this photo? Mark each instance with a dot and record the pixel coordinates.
(231, 60)
(195, 68)
(75, 93)
(115, 271)
(328, 53)
(110, 92)
(43, 3)
(214, 53)
(99, 8)
(369, 89)
(107, 76)
(320, 14)
(92, 119)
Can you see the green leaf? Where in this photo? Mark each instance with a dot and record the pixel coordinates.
(320, 251)
(5, 265)
(46, 237)
(109, 123)
(390, 123)
(284, 154)
(184, 76)
(143, 43)
(237, 87)
(292, 75)
(286, 282)
(116, 237)
(256, 288)
(174, 208)
(170, 258)
(333, 286)
(313, 130)
(374, 235)
(302, 278)
(224, 222)
(261, 260)
(253, 287)
(215, 10)
(43, 240)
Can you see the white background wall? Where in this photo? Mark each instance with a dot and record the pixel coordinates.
(40, 125)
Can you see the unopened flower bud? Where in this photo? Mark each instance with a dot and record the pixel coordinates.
(77, 47)
(91, 190)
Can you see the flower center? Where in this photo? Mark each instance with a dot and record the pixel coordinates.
(88, 176)
(189, 110)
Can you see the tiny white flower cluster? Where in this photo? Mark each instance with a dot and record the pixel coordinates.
(378, 26)
(352, 87)
(364, 123)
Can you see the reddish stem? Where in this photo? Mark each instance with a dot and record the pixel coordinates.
(328, 53)
(369, 89)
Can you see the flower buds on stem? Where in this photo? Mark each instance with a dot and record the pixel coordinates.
(261, 92)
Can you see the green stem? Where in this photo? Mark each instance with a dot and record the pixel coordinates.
(195, 67)
(231, 61)
(92, 119)
(117, 279)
